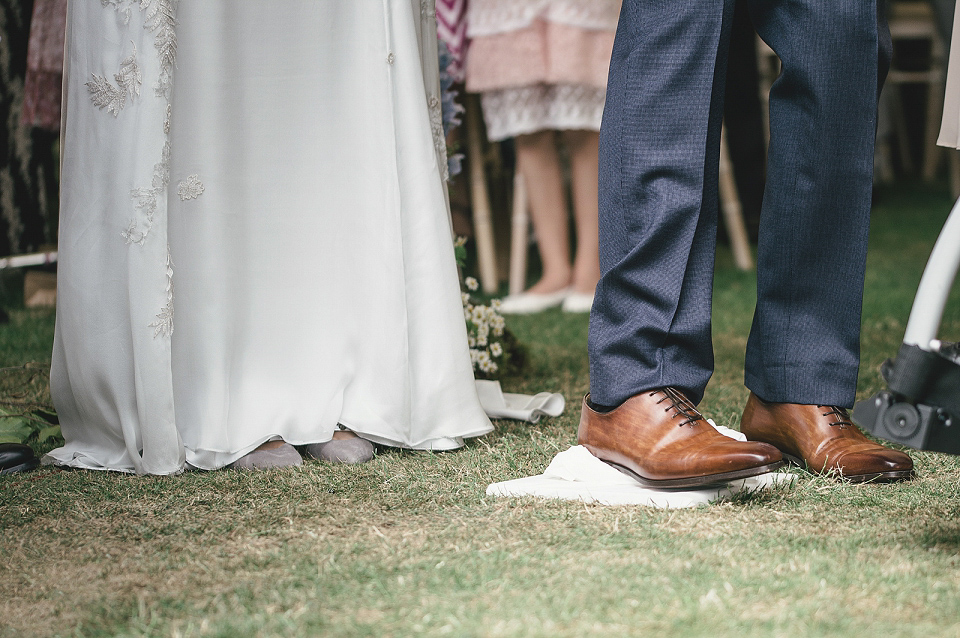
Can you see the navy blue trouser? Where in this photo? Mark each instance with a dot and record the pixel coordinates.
(659, 155)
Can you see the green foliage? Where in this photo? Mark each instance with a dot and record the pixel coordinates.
(37, 426)
(26, 410)
(460, 251)
(494, 350)
(14, 428)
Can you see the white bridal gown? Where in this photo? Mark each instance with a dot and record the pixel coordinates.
(254, 238)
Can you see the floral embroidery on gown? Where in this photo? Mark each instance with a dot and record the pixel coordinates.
(254, 238)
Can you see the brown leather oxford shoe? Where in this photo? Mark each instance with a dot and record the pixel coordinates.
(823, 439)
(660, 439)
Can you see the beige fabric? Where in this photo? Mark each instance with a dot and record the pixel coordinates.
(950, 127)
(490, 17)
(544, 52)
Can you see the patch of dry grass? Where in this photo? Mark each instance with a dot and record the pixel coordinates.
(409, 544)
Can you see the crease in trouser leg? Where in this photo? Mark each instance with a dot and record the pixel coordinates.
(659, 151)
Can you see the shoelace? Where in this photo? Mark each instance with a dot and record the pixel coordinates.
(680, 404)
(839, 413)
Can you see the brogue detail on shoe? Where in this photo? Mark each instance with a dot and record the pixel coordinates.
(823, 439)
(661, 439)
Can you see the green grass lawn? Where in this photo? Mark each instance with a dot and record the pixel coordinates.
(409, 544)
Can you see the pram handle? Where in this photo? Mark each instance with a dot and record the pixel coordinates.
(938, 276)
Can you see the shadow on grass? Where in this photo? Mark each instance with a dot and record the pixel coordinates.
(941, 535)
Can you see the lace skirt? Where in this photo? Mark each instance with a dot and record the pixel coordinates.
(43, 85)
(541, 107)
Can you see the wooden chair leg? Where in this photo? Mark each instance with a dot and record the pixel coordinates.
(732, 210)
(900, 127)
(482, 215)
(519, 235)
(931, 152)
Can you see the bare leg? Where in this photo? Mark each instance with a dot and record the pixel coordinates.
(582, 146)
(540, 166)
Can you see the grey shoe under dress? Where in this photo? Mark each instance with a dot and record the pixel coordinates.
(349, 451)
(282, 456)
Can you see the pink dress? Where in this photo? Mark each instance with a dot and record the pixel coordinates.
(540, 64)
(43, 86)
(452, 30)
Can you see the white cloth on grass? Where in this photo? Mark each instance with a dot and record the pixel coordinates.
(577, 475)
(273, 172)
(522, 407)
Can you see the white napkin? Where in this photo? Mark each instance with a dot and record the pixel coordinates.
(577, 475)
(523, 407)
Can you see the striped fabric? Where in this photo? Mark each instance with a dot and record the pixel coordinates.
(452, 29)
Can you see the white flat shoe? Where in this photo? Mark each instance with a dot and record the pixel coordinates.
(526, 303)
(577, 302)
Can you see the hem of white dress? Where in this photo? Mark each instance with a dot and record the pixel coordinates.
(78, 462)
(439, 444)
(198, 460)
(202, 460)
(436, 445)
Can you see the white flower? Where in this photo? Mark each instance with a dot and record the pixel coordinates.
(483, 324)
(488, 366)
(460, 241)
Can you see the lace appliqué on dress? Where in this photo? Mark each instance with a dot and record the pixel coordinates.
(164, 323)
(190, 188)
(123, 7)
(439, 140)
(113, 98)
(146, 200)
(159, 18)
(428, 9)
